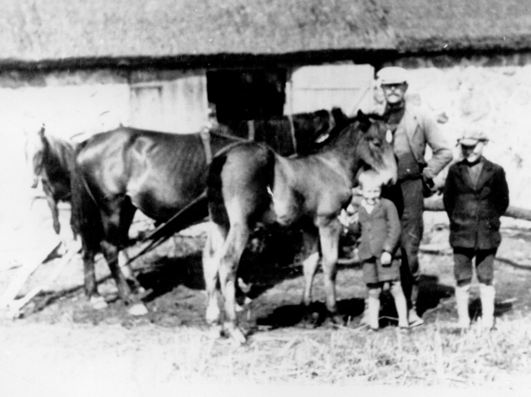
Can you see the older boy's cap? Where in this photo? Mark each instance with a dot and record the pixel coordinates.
(392, 75)
(471, 136)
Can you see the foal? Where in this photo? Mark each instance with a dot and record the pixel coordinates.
(249, 184)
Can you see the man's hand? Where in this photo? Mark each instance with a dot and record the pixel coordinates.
(386, 258)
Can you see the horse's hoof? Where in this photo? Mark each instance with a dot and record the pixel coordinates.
(215, 331)
(98, 303)
(138, 309)
(309, 320)
(236, 334)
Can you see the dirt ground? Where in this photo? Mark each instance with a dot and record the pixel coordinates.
(61, 345)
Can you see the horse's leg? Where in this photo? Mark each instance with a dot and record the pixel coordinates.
(231, 253)
(215, 237)
(309, 267)
(116, 221)
(329, 237)
(91, 288)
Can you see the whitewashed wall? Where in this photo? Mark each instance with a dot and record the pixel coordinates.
(69, 104)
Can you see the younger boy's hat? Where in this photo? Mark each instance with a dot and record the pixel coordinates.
(471, 136)
(392, 75)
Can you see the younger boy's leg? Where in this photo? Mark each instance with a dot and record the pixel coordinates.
(374, 305)
(463, 276)
(370, 277)
(400, 303)
(485, 272)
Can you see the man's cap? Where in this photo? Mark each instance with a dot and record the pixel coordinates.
(392, 75)
(471, 136)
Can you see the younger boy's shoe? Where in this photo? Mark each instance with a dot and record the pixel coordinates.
(414, 319)
(374, 309)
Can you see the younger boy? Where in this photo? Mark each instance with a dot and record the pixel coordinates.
(380, 232)
(476, 195)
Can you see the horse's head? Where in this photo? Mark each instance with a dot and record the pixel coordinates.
(34, 151)
(375, 147)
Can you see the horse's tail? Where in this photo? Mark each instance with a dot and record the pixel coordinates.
(86, 218)
(214, 189)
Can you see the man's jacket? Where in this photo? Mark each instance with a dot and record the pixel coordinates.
(421, 129)
(475, 211)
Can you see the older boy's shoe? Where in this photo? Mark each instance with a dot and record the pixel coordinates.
(414, 319)
(461, 299)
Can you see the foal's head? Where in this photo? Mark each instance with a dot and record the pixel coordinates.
(375, 148)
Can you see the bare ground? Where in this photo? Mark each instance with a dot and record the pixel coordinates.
(62, 345)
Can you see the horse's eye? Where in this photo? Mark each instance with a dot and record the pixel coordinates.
(377, 143)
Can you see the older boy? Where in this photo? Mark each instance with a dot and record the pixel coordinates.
(476, 195)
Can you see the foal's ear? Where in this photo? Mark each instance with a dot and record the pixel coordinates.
(364, 120)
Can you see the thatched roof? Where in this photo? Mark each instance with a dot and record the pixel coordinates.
(58, 30)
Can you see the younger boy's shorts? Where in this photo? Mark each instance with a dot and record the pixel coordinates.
(375, 272)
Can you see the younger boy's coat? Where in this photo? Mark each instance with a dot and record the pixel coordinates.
(380, 230)
(475, 211)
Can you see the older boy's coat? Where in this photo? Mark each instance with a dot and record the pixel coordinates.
(475, 211)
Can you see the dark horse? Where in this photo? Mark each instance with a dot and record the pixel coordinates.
(161, 174)
(249, 183)
(52, 161)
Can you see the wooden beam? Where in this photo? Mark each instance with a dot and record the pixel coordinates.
(435, 204)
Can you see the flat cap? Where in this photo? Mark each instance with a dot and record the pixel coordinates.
(471, 136)
(392, 75)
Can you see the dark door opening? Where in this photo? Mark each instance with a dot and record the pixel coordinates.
(246, 94)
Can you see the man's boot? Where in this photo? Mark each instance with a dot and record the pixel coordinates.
(413, 318)
(400, 304)
(461, 299)
(487, 294)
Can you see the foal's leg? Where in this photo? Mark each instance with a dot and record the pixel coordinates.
(309, 265)
(215, 237)
(329, 237)
(231, 253)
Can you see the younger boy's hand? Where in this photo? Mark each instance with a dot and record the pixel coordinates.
(386, 258)
(347, 218)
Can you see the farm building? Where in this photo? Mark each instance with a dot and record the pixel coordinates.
(84, 67)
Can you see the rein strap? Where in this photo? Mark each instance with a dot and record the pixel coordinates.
(205, 138)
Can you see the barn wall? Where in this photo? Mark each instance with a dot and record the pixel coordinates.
(68, 104)
(491, 92)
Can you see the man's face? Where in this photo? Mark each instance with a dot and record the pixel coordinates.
(394, 93)
(472, 153)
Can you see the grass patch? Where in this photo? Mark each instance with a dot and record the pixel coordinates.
(435, 355)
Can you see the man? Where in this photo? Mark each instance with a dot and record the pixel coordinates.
(412, 129)
(476, 195)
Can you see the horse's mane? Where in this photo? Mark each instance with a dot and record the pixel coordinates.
(342, 123)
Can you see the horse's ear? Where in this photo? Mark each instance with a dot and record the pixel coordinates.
(339, 116)
(42, 130)
(364, 120)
